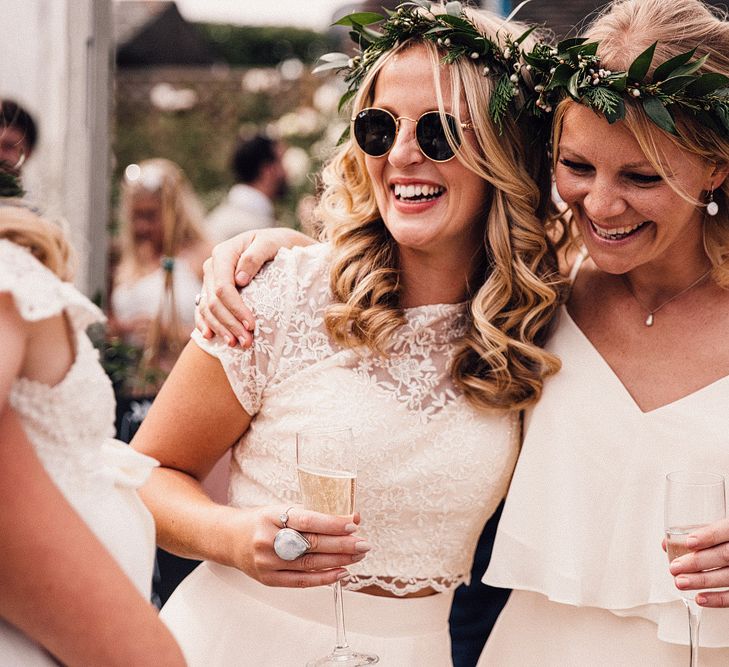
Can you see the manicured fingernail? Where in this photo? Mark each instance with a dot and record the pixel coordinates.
(248, 326)
(691, 542)
(341, 575)
(682, 581)
(700, 599)
(358, 558)
(362, 546)
(350, 528)
(242, 341)
(242, 278)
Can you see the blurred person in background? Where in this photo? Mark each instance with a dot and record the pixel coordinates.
(152, 302)
(260, 180)
(18, 135)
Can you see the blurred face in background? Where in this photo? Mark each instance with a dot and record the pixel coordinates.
(146, 219)
(13, 147)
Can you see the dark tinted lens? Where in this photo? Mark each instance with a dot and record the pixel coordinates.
(374, 131)
(432, 137)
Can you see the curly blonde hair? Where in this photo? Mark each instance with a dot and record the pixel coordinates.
(44, 238)
(625, 30)
(181, 212)
(517, 287)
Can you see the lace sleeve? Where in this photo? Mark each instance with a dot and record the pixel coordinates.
(38, 293)
(272, 298)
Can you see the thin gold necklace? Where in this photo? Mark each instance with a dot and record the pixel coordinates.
(652, 311)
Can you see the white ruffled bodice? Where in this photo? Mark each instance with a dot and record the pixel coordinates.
(431, 469)
(583, 520)
(71, 424)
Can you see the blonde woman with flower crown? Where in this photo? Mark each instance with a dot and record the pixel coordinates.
(364, 331)
(77, 544)
(643, 385)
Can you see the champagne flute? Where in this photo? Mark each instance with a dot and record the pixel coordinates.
(693, 499)
(327, 467)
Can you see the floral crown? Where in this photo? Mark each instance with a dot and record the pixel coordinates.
(9, 182)
(573, 69)
(452, 32)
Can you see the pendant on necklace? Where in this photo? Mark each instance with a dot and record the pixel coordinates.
(649, 320)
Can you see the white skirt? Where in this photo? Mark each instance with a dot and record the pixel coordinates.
(221, 617)
(534, 631)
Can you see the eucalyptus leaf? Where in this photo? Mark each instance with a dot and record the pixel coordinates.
(710, 120)
(345, 98)
(619, 84)
(457, 22)
(524, 35)
(573, 84)
(589, 49)
(642, 64)
(560, 77)
(665, 70)
(659, 114)
(675, 84)
(690, 68)
(360, 18)
(567, 44)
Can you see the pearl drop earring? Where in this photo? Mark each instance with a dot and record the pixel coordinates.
(712, 208)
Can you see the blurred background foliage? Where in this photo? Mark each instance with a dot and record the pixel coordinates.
(260, 81)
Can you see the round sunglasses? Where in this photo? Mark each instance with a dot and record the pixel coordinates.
(375, 130)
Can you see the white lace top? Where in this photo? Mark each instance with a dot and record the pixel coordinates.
(71, 424)
(431, 469)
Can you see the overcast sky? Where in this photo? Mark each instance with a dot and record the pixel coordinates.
(304, 13)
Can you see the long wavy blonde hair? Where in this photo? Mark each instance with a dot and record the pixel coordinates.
(181, 213)
(517, 289)
(624, 31)
(44, 238)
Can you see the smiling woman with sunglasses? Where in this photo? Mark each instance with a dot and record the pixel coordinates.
(418, 324)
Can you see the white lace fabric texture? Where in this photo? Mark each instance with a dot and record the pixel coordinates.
(431, 469)
(71, 424)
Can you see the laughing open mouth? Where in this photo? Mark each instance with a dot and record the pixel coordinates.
(417, 193)
(617, 233)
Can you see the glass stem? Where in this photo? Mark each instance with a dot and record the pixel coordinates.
(694, 615)
(342, 645)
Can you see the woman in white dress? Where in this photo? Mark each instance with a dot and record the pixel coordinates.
(365, 331)
(644, 384)
(581, 533)
(77, 543)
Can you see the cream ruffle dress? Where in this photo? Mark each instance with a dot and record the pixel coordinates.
(580, 536)
(71, 425)
(431, 471)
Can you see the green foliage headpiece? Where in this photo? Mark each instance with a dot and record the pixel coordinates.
(573, 69)
(452, 32)
(9, 182)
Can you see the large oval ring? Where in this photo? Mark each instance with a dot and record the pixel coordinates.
(289, 544)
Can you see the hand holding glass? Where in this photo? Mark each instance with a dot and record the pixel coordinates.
(327, 466)
(693, 499)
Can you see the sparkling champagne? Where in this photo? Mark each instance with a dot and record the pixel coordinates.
(676, 540)
(327, 491)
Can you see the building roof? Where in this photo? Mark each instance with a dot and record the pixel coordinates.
(153, 32)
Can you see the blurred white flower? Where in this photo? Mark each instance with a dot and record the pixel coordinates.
(326, 98)
(302, 122)
(291, 69)
(260, 80)
(166, 97)
(297, 164)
